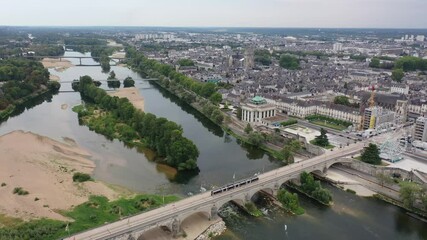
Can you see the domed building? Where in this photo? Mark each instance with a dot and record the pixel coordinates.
(257, 109)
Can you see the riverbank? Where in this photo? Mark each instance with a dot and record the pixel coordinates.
(13, 108)
(228, 128)
(44, 167)
(346, 182)
(59, 65)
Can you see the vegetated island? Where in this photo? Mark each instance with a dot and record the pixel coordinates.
(118, 118)
(20, 81)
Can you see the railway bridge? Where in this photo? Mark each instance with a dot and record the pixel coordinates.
(172, 215)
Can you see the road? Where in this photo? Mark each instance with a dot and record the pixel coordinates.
(151, 218)
(330, 130)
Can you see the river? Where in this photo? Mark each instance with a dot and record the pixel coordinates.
(221, 158)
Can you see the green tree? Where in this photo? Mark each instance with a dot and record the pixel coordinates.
(239, 113)
(216, 98)
(112, 75)
(322, 139)
(314, 189)
(105, 63)
(263, 57)
(384, 179)
(248, 128)
(409, 192)
(289, 62)
(375, 63)
(287, 155)
(217, 116)
(256, 139)
(128, 82)
(323, 195)
(294, 145)
(185, 62)
(397, 75)
(342, 100)
(290, 201)
(371, 154)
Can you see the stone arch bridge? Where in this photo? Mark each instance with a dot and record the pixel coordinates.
(172, 215)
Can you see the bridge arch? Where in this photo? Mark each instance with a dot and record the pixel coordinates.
(191, 219)
(239, 200)
(262, 190)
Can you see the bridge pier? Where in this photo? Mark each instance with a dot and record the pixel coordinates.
(214, 213)
(80, 59)
(176, 227)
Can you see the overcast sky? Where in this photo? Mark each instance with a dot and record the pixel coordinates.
(217, 13)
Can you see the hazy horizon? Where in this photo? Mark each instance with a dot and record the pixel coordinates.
(393, 14)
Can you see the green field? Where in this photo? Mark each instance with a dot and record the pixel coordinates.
(329, 125)
(95, 212)
(330, 146)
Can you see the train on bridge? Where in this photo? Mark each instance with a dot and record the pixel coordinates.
(234, 185)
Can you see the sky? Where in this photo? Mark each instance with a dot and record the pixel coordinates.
(217, 13)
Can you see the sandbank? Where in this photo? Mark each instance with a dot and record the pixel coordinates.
(59, 65)
(53, 78)
(348, 183)
(132, 94)
(44, 167)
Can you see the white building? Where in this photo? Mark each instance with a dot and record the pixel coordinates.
(257, 109)
(420, 38)
(401, 89)
(303, 109)
(420, 133)
(337, 47)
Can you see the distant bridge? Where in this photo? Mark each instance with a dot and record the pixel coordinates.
(113, 80)
(172, 215)
(115, 59)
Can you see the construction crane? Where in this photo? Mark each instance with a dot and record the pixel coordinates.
(371, 105)
(372, 98)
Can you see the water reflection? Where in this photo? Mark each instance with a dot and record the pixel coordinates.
(207, 123)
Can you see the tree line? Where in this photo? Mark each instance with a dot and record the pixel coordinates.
(159, 134)
(314, 189)
(22, 78)
(166, 72)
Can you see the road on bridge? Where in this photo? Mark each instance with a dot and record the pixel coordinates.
(151, 218)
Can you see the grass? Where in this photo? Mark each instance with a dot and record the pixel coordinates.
(299, 211)
(95, 212)
(252, 209)
(328, 125)
(6, 221)
(330, 146)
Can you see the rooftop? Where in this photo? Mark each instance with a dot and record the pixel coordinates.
(258, 100)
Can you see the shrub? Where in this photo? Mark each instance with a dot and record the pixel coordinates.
(20, 191)
(81, 177)
(3, 184)
(350, 191)
(289, 122)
